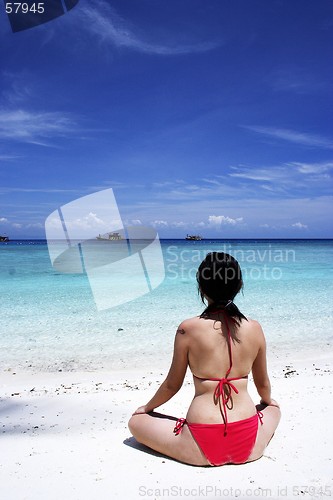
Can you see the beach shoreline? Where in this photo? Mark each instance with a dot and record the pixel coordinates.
(277, 355)
(67, 433)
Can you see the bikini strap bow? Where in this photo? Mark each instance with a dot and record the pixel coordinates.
(179, 425)
(222, 394)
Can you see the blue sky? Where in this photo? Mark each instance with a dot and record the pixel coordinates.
(210, 117)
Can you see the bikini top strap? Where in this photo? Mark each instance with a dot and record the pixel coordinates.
(229, 341)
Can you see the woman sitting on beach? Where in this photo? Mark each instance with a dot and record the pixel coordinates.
(221, 347)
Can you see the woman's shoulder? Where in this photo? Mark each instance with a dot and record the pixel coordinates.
(251, 323)
(189, 324)
(252, 327)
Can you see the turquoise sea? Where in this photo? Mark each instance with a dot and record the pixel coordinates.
(49, 320)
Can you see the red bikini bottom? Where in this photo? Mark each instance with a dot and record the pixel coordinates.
(221, 447)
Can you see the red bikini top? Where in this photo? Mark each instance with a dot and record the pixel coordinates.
(222, 393)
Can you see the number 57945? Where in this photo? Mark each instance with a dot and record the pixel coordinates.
(24, 8)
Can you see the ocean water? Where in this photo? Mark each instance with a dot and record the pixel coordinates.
(49, 320)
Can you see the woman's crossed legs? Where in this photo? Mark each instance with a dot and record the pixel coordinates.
(156, 431)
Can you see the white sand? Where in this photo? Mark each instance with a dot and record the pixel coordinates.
(64, 436)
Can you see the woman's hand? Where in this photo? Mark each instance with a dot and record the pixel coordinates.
(272, 403)
(140, 410)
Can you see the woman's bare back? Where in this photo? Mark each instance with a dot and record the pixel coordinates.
(209, 357)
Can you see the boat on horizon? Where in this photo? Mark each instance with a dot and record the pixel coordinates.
(193, 237)
(4, 238)
(110, 237)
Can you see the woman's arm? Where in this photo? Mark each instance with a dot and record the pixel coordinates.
(175, 377)
(259, 370)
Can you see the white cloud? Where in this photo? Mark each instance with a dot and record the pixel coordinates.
(34, 127)
(211, 181)
(296, 79)
(252, 176)
(195, 192)
(54, 222)
(299, 225)
(178, 224)
(218, 220)
(286, 177)
(268, 188)
(36, 190)
(37, 225)
(89, 221)
(302, 138)
(275, 176)
(313, 168)
(3, 219)
(8, 157)
(102, 21)
(16, 90)
(18, 226)
(160, 223)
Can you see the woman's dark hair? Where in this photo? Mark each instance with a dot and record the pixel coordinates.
(219, 279)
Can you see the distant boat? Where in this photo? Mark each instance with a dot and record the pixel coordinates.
(4, 238)
(193, 237)
(110, 237)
